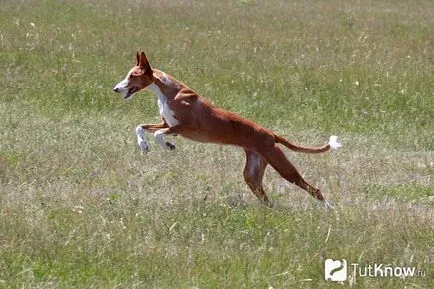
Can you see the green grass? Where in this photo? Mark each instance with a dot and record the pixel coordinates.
(80, 207)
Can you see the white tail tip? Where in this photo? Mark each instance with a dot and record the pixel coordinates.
(333, 142)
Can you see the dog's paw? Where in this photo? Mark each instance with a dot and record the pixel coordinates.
(144, 146)
(170, 146)
(329, 206)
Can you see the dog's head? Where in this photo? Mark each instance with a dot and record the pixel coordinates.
(138, 78)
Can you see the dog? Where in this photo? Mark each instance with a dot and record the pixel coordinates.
(184, 112)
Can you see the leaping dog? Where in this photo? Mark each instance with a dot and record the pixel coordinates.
(184, 112)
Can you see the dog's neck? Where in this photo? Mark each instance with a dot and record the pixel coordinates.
(164, 86)
(166, 91)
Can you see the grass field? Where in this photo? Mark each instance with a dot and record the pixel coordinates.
(80, 207)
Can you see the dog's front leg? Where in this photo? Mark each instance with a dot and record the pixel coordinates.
(140, 132)
(159, 137)
(174, 130)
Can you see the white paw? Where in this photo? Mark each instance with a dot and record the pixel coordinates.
(328, 205)
(159, 137)
(144, 146)
(170, 146)
(166, 145)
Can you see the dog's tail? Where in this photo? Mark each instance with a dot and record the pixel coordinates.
(333, 144)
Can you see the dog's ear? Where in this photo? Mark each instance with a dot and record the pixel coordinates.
(137, 58)
(144, 63)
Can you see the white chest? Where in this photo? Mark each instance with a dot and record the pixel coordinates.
(164, 108)
(166, 113)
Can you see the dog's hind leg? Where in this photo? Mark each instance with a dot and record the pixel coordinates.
(253, 174)
(277, 159)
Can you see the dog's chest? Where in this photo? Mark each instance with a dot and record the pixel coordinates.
(166, 112)
(164, 107)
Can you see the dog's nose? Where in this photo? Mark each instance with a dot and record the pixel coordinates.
(115, 89)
